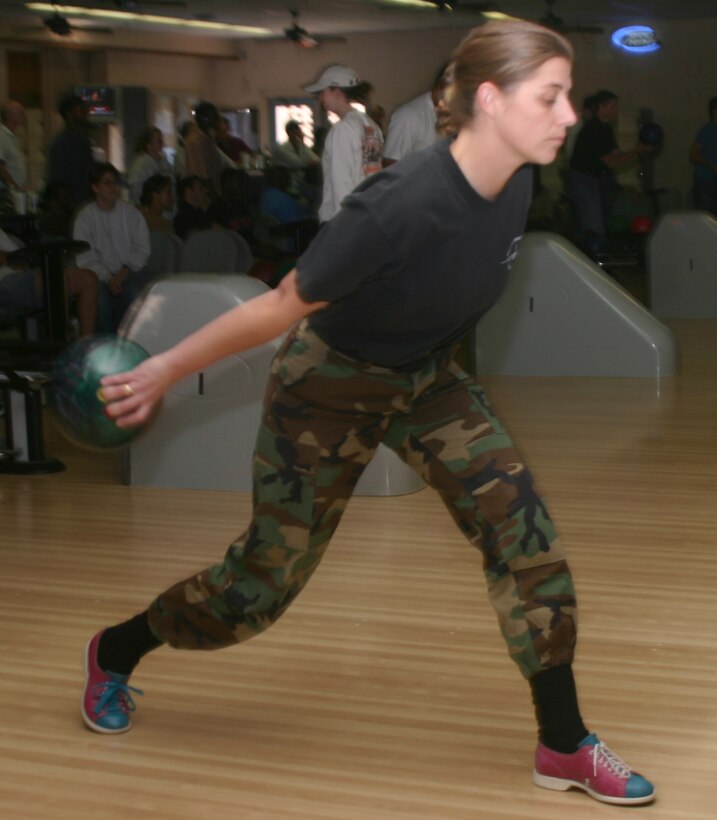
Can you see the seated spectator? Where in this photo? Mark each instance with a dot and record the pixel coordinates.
(156, 200)
(232, 209)
(230, 145)
(192, 202)
(294, 227)
(57, 210)
(276, 201)
(23, 288)
(294, 153)
(119, 246)
(303, 163)
(149, 160)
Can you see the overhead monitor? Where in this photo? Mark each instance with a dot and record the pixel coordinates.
(101, 101)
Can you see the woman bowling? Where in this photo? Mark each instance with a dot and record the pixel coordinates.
(374, 310)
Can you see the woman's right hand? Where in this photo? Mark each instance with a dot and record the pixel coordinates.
(132, 396)
(116, 283)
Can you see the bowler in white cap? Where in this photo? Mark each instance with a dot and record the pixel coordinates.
(354, 146)
(335, 76)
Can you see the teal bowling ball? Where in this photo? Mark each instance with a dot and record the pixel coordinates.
(74, 390)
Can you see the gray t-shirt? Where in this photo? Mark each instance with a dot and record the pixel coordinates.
(412, 260)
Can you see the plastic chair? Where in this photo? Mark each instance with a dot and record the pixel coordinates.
(165, 250)
(215, 250)
(245, 259)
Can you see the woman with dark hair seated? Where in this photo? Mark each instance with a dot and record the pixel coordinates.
(233, 208)
(192, 201)
(156, 200)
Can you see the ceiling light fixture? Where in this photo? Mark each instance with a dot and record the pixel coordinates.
(636, 39)
(155, 19)
(418, 4)
(498, 15)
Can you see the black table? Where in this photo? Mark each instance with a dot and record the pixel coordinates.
(23, 226)
(48, 257)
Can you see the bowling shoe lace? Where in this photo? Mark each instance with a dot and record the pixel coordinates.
(114, 696)
(603, 756)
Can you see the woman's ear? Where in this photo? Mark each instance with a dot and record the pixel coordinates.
(486, 97)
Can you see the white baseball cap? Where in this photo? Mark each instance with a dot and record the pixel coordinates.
(335, 76)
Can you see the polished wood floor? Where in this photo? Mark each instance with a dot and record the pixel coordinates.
(385, 692)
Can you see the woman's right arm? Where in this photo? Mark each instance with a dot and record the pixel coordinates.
(250, 324)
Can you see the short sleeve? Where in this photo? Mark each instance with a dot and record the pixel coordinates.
(347, 251)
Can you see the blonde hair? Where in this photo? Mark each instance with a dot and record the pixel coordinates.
(504, 52)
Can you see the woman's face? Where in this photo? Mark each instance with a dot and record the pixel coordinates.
(106, 190)
(532, 117)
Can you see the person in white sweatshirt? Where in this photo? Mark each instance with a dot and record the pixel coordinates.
(119, 246)
(354, 146)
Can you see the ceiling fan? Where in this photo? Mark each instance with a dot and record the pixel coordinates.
(301, 37)
(59, 25)
(551, 20)
(133, 6)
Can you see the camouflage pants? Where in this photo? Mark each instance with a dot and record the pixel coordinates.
(324, 416)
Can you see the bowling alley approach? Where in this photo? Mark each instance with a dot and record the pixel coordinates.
(358, 372)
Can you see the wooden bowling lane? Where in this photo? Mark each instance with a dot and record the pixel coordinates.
(385, 692)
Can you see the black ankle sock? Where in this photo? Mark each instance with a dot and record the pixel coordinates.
(122, 647)
(560, 726)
